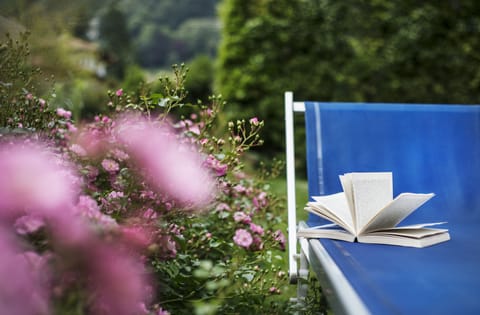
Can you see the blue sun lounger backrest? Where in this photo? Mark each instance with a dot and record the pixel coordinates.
(428, 148)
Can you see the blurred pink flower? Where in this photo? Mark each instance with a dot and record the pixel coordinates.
(117, 282)
(33, 178)
(119, 92)
(29, 224)
(173, 168)
(22, 290)
(88, 208)
(92, 141)
(243, 238)
(136, 236)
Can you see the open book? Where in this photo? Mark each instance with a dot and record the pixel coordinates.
(366, 212)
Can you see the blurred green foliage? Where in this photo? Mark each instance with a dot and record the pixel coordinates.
(90, 46)
(171, 31)
(376, 51)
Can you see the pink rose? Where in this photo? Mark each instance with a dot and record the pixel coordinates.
(243, 238)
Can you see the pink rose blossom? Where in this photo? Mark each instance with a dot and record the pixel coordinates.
(150, 214)
(280, 238)
(240, 216)
(71, 127)
(243, 238)
(219, 168)
(63, 113)
(78, 150)
(110, 165)
(119, 154)
(260, 201)
(274, 290)
(87, 207)
(257, 243)
(254, 121)
(240, 189)
(115, 195)
(223, 207)
(256, 229)
(161, 311)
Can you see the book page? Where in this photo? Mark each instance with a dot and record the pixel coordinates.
(337, 234)
(397, 210)
(403, 240)
(409, 232)
(335, 208)
(346, 181)
(371, 192)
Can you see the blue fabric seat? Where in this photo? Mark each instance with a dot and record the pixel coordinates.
(428, 148)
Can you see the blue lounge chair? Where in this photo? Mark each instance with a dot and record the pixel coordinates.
(428, 148)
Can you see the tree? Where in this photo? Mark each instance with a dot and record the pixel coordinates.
(378, 51)
(114, 40)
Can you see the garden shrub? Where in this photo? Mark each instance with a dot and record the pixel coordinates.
(135, 212)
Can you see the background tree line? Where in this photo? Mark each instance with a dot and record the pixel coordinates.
(375, 51)
(254, 50)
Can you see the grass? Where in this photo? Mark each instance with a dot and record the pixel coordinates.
(279, 188)
(316, 302)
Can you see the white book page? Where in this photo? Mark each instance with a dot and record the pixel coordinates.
(337, 234)
(371, 192)
(346, 181)
(395, 211)
(405, 241)
(406, 232)
(337, 206)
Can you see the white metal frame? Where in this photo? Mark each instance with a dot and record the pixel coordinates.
(341, 295)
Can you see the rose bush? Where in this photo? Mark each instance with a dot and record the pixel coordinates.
(137, 212)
